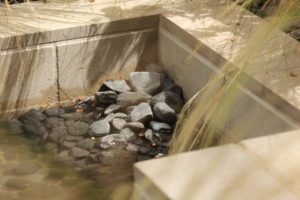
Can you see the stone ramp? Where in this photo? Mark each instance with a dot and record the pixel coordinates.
(262, 168)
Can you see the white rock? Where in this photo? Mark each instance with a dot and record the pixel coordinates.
(135, 126)
(118, 123)
(132, 98)
(157, 126)
(148, 82)
(113, 141)
(159, 155)
(149, 135)
(112, 108)
(129, 109)
(100, 127)
(128, 134)
(118, 85)
(121, 115)
(109, 117)
(141, 113)
(173, 99)
(164, 113)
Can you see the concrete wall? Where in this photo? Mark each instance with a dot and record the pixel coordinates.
(249, 115)
(264, 168)
(70, 57)
(44, 72)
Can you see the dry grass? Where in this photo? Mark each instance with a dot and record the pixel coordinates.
(209, 110)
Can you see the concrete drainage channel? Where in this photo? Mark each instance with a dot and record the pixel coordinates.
(63, 66)
(105, 134)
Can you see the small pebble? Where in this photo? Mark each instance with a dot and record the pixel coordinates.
(128, 134)
(100, 127)
(118, 123)
(135, 126)
(112, 108)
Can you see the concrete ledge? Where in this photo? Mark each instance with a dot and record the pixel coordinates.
(261, 168)
(193, 71)
(61, 71)
(76, 31)
(221, 41)
(225, 172)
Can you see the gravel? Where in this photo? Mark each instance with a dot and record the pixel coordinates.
(112, 129)
(100, 127)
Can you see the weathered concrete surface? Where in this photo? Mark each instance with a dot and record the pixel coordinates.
(84, 65)
(48, 58)
(74, 37)
(27, 78)
(236, 38)
(262, 168)
(59, 21)
(248, 112)
(281, 153)
(198, 24)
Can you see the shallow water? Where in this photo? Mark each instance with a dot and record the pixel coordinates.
(28, 172)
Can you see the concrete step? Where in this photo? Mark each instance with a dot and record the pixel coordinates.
(263, 168)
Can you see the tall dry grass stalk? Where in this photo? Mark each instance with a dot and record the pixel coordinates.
(206, 114)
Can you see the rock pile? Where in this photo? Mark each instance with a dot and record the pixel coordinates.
(124, 122)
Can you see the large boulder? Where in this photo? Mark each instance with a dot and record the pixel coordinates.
(148, 82)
